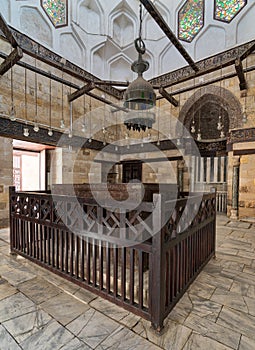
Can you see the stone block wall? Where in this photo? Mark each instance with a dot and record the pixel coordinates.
(6, 179)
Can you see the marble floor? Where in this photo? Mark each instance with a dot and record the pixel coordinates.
(39, 310)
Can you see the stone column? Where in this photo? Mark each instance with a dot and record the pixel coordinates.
(180, 171)
(234, 213)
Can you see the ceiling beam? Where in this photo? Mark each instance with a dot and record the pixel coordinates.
(7, 32)
(38, 51)
(168, 97)
(81, 91)
(11, 60)
(207, 65)
(111, 82)
(151, 8)
(240, 74)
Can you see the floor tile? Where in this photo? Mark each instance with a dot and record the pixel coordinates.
(92, 327)
(64, 308)
(39, 290)
(124, 339)
(24, 326)
(6, 340)
(237, 320)
(214, 331)
(15, 277)
(6, 289)
(173, 336)
(14, 306)
(109, 309)
(246, 343)
(52, 336)
(199, 342)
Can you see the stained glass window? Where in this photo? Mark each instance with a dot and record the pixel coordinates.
(56, 11)
(190, 19)
(226, 10)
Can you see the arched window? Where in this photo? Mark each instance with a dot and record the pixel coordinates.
(226, 10)
(190, 19)
(57, 11)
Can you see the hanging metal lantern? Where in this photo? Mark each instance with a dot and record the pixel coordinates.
(139, 96)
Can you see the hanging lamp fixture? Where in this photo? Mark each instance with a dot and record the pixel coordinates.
(36, 125)
(199, 135)
(50, 131)
(62, 121)
(139, 97)
(220, 125)
(244, 116)
(193, 127)
(12, 111)
(26, 130)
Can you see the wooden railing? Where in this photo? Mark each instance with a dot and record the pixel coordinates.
(142, 259)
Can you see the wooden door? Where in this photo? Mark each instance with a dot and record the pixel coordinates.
(132, 170)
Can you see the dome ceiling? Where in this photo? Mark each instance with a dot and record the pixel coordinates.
(98, 35)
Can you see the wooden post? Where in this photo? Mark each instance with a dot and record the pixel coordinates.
(158, 265)
(11, 191)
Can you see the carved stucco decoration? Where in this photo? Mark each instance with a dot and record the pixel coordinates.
(220, 99)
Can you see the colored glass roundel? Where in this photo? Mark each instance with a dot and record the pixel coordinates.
(226, 10)
(190, 19)
(56, 11)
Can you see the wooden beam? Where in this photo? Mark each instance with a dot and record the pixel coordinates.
(34, 49)
(11, 60)
(81, 91)
(60, 80)
(7, 32)
(168, 97)
(111, 83)
(207, 65)
(240, 74)
(102, 99)
(243, 152)
(151, 8)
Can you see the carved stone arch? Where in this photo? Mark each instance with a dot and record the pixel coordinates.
(122, 24)
(33, 21)
(216, 101)
(90, 15)
(151, 30)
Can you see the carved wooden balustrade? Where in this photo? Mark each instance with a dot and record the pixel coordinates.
(142, 259)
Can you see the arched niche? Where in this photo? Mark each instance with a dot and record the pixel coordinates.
(75, 51)
(209, 102)
(32, 22)
(5, 9)
(89, 16)
(170, 59)
(244, 30)
(123, 30)
(151, 29)
(100, 55)
(210, 41)
(119, 68)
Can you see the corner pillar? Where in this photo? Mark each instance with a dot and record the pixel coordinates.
(234, 212)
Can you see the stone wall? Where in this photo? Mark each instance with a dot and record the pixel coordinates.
(6, 179)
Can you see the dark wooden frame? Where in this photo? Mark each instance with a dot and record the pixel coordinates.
(178, 24)
(222, 20)
(147, 278)
(67, 15)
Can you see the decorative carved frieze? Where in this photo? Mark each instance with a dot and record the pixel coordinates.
(241, 135)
